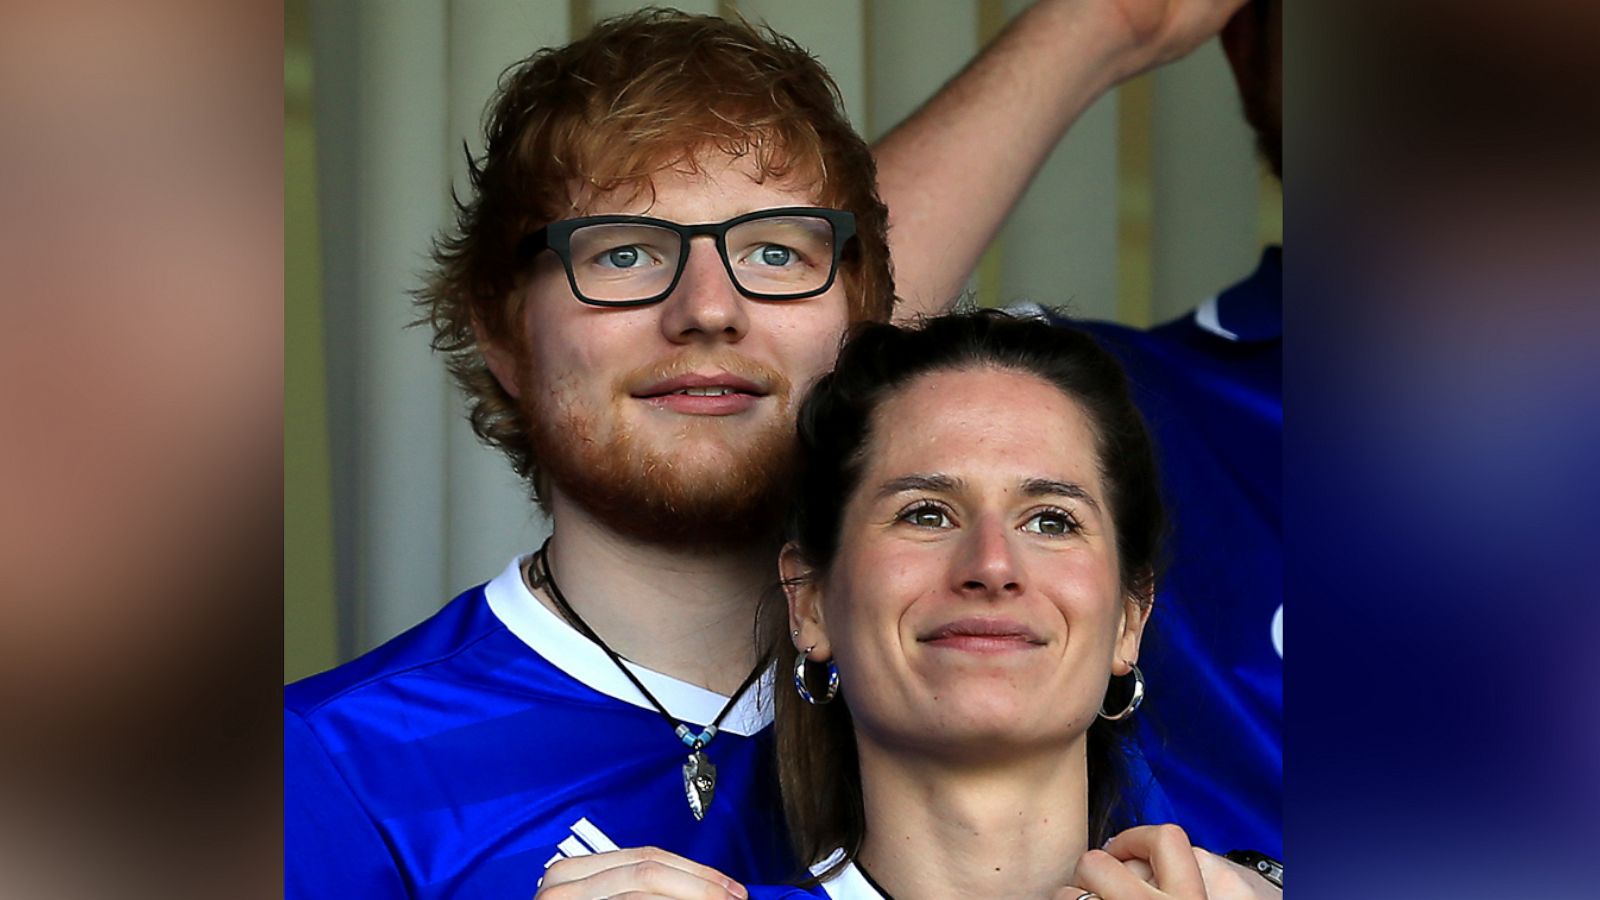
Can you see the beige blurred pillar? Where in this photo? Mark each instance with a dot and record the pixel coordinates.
(601, 9)
(380, 93)
(1205, 183)
(913, 48)
(1059, 246)
(421, 510)
(489, 515)
(834, 32)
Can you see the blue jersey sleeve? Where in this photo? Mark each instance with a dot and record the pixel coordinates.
(331, 847)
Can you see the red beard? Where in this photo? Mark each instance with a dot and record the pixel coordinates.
(718, 481)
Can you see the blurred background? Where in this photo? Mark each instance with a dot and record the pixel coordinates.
(1153, 202)
(141, 429)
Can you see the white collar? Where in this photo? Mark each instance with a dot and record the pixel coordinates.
(563, 647)
(849, 884)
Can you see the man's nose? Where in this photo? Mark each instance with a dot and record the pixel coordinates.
(705, 305)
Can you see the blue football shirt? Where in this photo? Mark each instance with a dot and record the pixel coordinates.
(1211, 386)
(466, 755)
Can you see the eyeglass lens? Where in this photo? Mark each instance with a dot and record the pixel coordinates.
(778, 256)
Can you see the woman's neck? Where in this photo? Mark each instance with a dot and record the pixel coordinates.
(937, 829)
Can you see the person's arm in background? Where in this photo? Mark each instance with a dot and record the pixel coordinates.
(952, 171)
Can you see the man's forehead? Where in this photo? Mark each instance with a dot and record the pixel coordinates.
(738, 180)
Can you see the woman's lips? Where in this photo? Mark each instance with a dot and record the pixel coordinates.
(983, 635)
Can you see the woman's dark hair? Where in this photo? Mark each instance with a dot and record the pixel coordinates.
(817, 762)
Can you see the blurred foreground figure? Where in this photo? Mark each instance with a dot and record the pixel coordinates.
(140, 448)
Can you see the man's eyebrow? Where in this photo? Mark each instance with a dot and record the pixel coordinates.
(929, 482)
(1045, 487)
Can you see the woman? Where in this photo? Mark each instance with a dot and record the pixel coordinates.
(971, 563)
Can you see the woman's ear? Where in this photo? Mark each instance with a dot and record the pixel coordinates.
(504, 362)
(803, 587)
(1136, 608)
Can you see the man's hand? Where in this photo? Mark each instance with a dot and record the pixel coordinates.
(952, 171)
(1160, 31)
(643, 872)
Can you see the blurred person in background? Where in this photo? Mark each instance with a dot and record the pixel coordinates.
(1210, 383)
(140, 448)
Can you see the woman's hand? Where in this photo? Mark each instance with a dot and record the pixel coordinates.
(1157, 861)
(1151, 862)
(644, 872)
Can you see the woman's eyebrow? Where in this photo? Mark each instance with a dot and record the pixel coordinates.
(1049, 487)
(930, 482)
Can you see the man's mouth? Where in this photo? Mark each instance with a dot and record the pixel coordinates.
(702, 394)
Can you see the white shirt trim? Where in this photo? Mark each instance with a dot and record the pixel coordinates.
(848, 884)
(563, 647)
(1208, 318)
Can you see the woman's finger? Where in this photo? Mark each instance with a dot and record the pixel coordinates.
(1111, 879)
(1168, 851)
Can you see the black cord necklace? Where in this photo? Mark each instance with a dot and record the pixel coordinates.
(699, 775)
(872, 882)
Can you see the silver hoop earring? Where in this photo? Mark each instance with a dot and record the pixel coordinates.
(1133, 702)
(800, 679)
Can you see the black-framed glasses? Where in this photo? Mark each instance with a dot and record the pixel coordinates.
(789, 253)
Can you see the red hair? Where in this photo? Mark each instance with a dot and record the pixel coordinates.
(641, 93)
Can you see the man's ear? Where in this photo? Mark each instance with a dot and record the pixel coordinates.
(803, 586)
(504, 363)
(1136, 608)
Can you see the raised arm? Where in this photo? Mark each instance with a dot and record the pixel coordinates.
(952, 171)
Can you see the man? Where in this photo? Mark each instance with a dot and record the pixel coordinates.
(1210, 384)
(644, 376)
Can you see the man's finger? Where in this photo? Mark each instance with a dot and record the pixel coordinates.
(636, 868)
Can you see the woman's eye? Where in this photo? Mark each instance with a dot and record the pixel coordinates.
(1051, 522)
(926, 517)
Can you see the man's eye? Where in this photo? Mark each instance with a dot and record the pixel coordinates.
(1051, 522)
(628, 257)
(926, 516)
(776, 255)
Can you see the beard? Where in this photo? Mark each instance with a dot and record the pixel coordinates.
(711, 480)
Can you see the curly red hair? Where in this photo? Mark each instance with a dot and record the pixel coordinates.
(641, 93)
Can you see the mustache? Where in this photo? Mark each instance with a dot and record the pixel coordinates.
(772, 381)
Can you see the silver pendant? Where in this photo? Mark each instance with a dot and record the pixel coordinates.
(699, 783)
